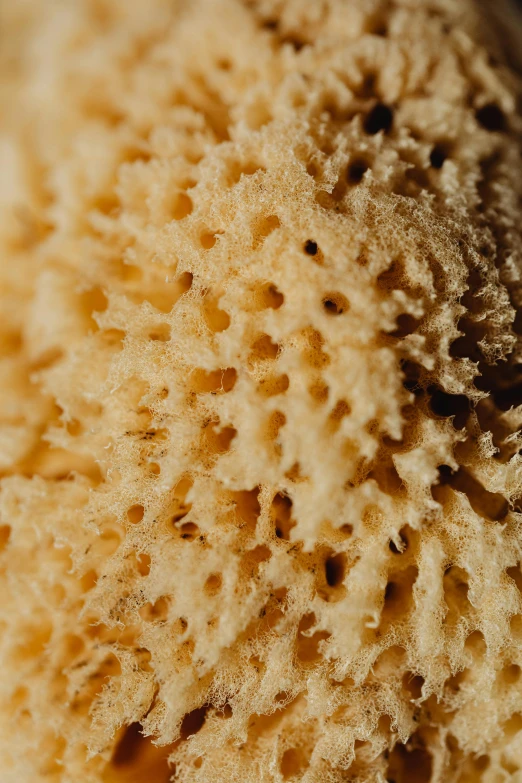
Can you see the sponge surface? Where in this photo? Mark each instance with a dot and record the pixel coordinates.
(260, 391)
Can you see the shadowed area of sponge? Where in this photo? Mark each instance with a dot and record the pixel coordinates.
(260, 392)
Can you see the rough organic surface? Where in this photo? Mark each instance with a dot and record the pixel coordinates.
(260, 386)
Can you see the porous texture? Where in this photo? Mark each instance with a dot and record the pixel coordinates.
(260, 305)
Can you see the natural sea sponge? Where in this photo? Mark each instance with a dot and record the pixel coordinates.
(260, 386)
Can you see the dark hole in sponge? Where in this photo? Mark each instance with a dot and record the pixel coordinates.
(335, 567)
(135, 514)
(491, 117)
(189, 531)
(5, 534)
(490, 505)
(445, 474)
(413, 684)
(380, 118)
(293, 762)
(272, 297)
(335, 303)
(438, 156)
(410, 763)
(508, 398)
(402, 543)
(311, 247)
(137, 758)
(294, 41)
(330, 306)
(308, 645)
(193, 721)
(412, 375)
(128, 747)
(446, 405)
(281, 512)
(406, 324)
(356, 170)
(391, 591)
(398, 595)
(380, 29)
(516, 574)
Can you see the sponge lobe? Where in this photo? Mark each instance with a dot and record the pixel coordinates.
(259, 396)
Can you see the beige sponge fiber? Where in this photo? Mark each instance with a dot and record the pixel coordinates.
(260, 391)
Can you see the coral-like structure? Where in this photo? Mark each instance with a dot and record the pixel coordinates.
(260, 376)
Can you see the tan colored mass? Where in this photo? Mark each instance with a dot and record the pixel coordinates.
(260, 386)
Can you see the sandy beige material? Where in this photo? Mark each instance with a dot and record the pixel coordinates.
(260, 375)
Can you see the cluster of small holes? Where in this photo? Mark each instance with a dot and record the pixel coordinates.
(410, 761)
